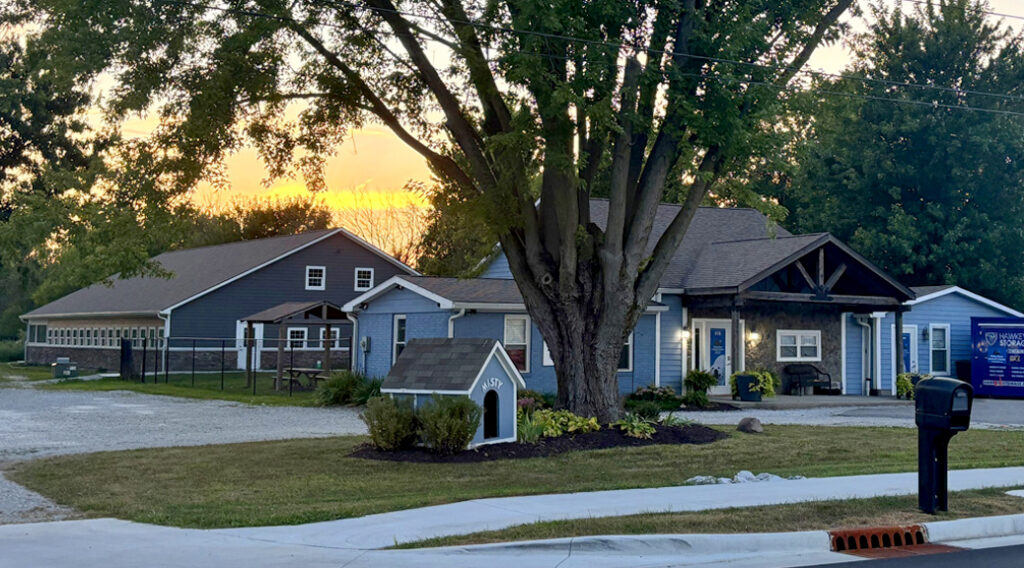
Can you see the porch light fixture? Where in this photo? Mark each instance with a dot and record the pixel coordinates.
(924, 333)
(685, 335)
(753, 336)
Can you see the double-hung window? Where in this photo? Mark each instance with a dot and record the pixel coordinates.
(399, 336)
(804, 345)
(626, 355)
(939, 348)
(335, 342)
(364, 279)
(316, 278)
(517, 341)
(296, 338)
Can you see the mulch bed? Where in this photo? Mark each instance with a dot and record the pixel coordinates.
(714, 407)
(602, 439)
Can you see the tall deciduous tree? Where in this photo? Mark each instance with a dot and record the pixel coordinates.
(627, 93)
(932, 193)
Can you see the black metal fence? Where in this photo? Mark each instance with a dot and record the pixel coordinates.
(212, 362)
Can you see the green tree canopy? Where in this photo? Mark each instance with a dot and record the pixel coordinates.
(931, 192)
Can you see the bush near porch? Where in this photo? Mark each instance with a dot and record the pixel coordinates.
(301, 481)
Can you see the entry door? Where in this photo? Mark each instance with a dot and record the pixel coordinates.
(909, 339)
(713, 345)
(257, 330)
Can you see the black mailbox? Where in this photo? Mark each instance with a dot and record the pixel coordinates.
(943, 408)
(944, 404)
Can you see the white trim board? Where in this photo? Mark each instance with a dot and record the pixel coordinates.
(967, 294)
(915, 365)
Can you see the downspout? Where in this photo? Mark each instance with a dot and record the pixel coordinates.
(353, 347)
(451, 321)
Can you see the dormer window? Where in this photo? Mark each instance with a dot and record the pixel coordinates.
(316, 278)
(364, 279)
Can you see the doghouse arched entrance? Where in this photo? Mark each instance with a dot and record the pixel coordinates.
(491, 415)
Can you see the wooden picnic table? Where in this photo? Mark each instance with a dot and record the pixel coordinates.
(313, 376)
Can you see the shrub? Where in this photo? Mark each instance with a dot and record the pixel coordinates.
(541, 400)
(666, 397)
(647, 409)
(635, 427)
(697, 399)
(12, 350)
(554, 423)
(448, 423)
(392, 424)
(700, 381)
(672, 421)
(345, 387)
(907, 382)
(767, 382)
(367, 390)
(528, 428)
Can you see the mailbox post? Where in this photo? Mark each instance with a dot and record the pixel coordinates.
(943, 408)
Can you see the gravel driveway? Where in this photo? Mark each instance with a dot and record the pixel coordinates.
(39, 423)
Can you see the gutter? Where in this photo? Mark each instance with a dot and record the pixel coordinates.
(165, 316)
(355, 350)
(860, 319)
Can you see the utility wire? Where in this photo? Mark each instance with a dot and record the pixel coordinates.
(707, 76)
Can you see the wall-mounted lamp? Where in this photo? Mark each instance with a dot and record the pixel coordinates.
(753, 336)
(924, 334)
(685, 335)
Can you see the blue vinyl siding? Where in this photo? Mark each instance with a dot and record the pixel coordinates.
(498, 268)
(672, 342)
(422, 319)
(954, 309)
(216, 313)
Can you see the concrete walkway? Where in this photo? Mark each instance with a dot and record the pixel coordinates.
(109, 542)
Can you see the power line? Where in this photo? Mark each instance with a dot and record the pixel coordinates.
(710, 59)
(972, 9)
(707, 76)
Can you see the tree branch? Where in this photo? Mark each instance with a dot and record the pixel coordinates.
(801, 59)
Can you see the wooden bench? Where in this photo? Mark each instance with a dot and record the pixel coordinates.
(313, 377)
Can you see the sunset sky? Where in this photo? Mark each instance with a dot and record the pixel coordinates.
(374, 162)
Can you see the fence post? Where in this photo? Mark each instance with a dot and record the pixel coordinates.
(166, 358)
(143, 360)
(222, 363)
(193, 361)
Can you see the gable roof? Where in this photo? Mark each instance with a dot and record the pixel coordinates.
(732, 263)
(445, 365)
(926, 293)
(458, 293)
(196, 272)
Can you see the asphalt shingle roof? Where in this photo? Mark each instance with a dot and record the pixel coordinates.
(450, 364)
(925, 290)
(194, 271)
(470, 290)
(729, 264)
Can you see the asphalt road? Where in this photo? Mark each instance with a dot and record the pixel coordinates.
(1002, 557)
(986, 410)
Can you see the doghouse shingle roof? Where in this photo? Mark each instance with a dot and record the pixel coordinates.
(439, 364)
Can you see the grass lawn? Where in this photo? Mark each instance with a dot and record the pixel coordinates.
(300, 481)
(19, 371)
(207, 386)
(818, 515)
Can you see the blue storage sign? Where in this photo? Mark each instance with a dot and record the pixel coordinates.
(997, 356)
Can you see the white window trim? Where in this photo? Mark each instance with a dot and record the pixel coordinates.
(629, 343)
(798, 333)
(394, 336)
(529, 333)
(355, 279)
(323, 279)
(336, 342)
(291, 339)
(931, 336)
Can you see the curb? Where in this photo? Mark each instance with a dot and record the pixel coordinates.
(975, 528)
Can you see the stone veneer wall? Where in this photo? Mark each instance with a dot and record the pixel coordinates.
(766, 318)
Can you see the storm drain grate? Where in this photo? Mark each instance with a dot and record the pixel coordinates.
(886, 542)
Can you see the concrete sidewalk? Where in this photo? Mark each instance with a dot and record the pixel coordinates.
(109, 542)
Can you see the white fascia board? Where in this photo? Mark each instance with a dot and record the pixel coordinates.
(86, 315)
(394, 282)
(968, 294)
(489, 307)
(251, 270)
(652, 309)
(505, 362)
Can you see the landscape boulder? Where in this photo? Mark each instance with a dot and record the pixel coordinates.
(750, 425)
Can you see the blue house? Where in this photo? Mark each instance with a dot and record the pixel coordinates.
(936, 334)
(740, 294)
(195, 314)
